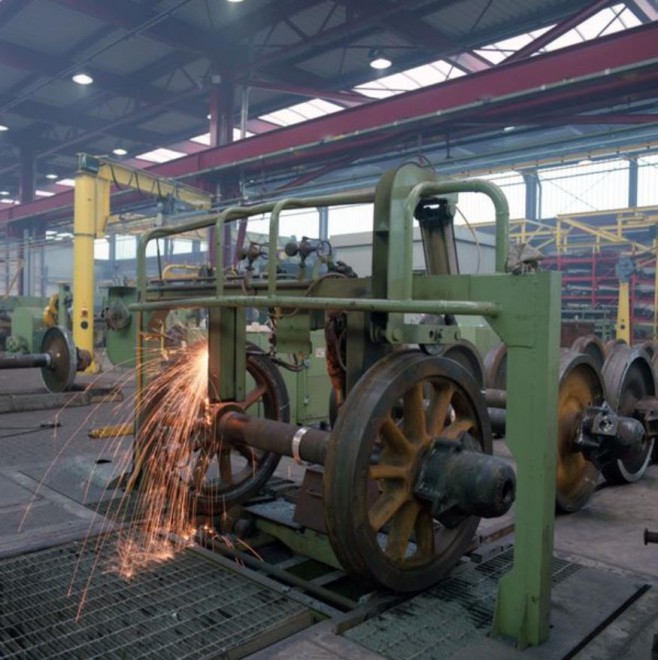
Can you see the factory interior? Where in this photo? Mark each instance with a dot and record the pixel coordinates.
(329, 329)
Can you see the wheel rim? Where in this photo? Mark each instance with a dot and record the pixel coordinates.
(466, 354)
(581, 386)
(591, 345)
(377, 526)
(221, 474)
(495, 367)
(629, 377)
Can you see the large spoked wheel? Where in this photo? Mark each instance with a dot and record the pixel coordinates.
(581, 386)
(378, 528)
(629, 377)
(221, 474)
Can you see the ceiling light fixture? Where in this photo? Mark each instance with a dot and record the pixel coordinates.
(4, 193)
(235, 1)
(3, 127)
(119, 151)
(52, 175)
(378, 59)
(507, 129)
(82, 79)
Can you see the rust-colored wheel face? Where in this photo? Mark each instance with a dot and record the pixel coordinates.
(591, 345)
(378, 528)
(629, 377)
(581, 386)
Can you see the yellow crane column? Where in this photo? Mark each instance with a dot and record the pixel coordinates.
(90, 213)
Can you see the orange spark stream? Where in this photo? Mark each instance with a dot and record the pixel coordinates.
(177, 402)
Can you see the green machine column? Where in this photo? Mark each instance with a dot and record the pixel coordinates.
(524, 594)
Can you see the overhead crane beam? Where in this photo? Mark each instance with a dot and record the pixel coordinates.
(91, 212)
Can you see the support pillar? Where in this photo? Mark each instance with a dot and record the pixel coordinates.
(26, 185)
(632, 182)
(323, 223)
(222, 101)
(26, 273)
(91, 209)
(531, 180)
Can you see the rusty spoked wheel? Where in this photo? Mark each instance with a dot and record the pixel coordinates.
(377, 526)
(495, 367)
(581, 386)
(465, 353)
(629, 377)
(220, 474)
(591, 345)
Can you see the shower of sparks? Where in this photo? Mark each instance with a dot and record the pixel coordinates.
(178, 416)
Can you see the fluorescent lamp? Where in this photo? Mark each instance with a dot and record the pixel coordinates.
(82, 79)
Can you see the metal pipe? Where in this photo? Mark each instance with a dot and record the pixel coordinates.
(300, 443)
(650, 537)
(495, 398)
(491, 190)
(358, 197)
(465, 307)
(28, 361)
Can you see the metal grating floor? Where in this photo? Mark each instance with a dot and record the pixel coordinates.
(463, 604)
(186, 607)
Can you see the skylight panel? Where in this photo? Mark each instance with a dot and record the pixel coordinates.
(501, 50)
(201, 139)
(410, 79)
(376, 90)
(300, 112)
(161, 155)
(607, 21)
(205, 138)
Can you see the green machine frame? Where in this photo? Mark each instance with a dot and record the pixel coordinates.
(524, 310)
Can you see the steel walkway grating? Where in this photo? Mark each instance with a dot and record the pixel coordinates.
(186, 607)
(439, 622)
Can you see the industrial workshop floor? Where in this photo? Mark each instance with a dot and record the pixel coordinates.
(58, 598)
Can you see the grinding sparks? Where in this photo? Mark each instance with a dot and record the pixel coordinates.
(176, 413)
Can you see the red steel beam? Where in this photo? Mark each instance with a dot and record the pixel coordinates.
(611, 60)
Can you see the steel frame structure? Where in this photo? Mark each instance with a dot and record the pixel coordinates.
(523, 310)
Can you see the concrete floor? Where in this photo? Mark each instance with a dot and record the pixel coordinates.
(60, 473)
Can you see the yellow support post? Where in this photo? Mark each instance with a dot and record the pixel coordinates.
(85, 221)
(624, 313)
(91, 213)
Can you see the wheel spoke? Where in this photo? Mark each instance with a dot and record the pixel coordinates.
(200, 469)
(386, 507)
(395, 439)
(414, 413)
(252, 455)
(253, 397)
(225, 468)
(388, 472)
(424, 529)
(454, 430)
(400, 529)
(437, 412)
